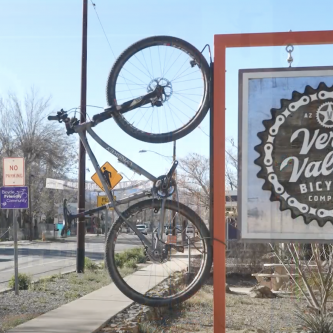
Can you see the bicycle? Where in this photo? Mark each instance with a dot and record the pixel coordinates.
(167, 258)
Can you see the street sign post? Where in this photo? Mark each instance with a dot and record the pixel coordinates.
(110, 174)
(14, 195)
(13, 171)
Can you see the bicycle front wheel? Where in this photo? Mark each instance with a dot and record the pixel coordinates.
(177, 66)
(159, 282)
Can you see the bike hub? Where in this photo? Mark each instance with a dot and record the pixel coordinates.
(164, 84)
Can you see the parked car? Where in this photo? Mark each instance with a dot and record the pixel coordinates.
(143, 228)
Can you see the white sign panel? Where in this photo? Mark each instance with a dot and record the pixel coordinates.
(59, 184)
(282, 168)
(13, 171)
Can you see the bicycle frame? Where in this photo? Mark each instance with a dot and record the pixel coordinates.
(80, 129)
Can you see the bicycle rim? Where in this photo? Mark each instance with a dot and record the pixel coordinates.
(159, 283)
(172, 63)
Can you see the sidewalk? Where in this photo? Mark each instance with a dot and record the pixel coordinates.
(21, 242)
(90, 312)
(54, 240)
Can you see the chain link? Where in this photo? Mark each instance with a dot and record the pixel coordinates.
(290, 49)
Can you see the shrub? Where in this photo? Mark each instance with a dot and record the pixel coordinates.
(90, 265)
(119, 260)
(128, 257)
(131, 263)
(24, 281)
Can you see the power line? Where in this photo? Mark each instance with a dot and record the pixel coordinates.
(100, 22)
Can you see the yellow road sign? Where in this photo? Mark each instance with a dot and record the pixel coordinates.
(110, 174)
(103, 200)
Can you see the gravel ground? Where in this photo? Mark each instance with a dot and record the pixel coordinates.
(242, 312)
(48, 294)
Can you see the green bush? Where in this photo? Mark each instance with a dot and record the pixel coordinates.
(90, 265)
(130, 257)
(24, 281)
(119, 260)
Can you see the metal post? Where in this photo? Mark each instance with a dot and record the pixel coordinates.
(174, 196)
(211, 156)
(189, 254)
(106, 223)
(15, 253)
(82, 153)
(30, 208)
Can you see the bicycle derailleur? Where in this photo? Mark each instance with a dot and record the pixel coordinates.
(161, 254)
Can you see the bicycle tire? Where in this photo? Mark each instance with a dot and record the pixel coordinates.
(201, 111)
(121, 283)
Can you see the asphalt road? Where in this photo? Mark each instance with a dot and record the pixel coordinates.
(48, 258)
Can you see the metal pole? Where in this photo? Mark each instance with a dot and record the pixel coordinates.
(15, 254)
(82, 153)
(30, 208)
(174, 195)
(106, 222)
(189, 254)
(211, 157)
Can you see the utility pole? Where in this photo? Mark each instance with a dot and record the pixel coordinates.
(174, 195)
(80, 254)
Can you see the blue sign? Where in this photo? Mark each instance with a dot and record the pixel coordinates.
(14, 197)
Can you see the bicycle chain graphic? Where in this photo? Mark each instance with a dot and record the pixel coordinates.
(296, 155)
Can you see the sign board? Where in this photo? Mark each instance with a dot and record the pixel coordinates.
(103, 200)
(14, 197)
(59, 184)
(286, 149)
(13, 171)
(110, 174)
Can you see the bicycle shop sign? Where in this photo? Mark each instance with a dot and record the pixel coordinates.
(287, 154)
(13, 195)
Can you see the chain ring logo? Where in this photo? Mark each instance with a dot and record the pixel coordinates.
(324, 115)
(296, 155)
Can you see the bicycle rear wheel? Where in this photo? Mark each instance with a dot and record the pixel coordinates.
(164, 282)
(172, 63)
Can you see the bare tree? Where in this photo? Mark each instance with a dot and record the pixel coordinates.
(193, 180)
(231, 165)
(48, 152)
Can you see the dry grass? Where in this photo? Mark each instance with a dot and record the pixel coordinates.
(13, 321)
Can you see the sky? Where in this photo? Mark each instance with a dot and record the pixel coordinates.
(41, 47)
